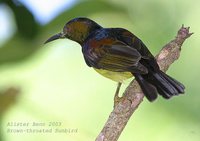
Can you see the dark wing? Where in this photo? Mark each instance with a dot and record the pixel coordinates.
(133, 41)
(114, 56)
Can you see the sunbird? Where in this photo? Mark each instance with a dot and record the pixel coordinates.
(118, 54)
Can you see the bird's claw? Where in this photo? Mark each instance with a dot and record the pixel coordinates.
(117, 100)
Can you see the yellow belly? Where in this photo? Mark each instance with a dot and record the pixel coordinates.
(115, 76)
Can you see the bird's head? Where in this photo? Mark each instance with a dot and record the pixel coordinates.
(77, 30)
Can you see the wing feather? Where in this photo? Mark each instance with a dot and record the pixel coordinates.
(115, 56)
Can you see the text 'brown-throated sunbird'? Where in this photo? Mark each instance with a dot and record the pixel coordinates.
(118, 54)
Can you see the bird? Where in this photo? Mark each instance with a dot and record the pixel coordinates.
(118, 54)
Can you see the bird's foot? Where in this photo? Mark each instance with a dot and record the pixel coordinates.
(117, 100)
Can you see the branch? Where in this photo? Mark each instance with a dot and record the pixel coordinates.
(133, 95)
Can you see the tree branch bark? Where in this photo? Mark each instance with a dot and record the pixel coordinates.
(133, 95)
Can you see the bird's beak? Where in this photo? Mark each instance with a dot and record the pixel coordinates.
(55, 37)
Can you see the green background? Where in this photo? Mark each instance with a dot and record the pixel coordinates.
(56, 85)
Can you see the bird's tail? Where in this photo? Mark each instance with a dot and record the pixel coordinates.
(158, 82)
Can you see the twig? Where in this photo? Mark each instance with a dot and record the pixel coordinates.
(133, 95)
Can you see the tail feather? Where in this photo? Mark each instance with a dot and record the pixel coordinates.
(162, 83)
(159, 82)
(156, 80)
(180, 87)
(148, 89)
(172, 86)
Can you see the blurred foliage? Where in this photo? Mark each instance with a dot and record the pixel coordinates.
(7, 99)
(58, 86)
(26, 24)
